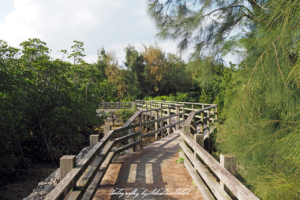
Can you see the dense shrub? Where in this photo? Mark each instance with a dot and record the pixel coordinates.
(47, 108)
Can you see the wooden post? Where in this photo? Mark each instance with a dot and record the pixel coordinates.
(67, 163)
(199, 138)
(177, 117)
(208, 145)
(192, 107)
(106, 129)
(169, 120)
(216, 114)
(156, 124)
(141, 133)
(187, 129)
(131, 140)
(208, 122)
(144, 119)
(94, 139)
(161, 111)
(183, 114)
(228, 161)
(162, 131)
(146, 106)
(150, 113)
(202, 106)
(117, 105)
(202, 122)
(103, 105)
(194, 126)
(132, 105)
(213, 113)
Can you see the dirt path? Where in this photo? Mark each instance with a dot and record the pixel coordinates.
(149, 174)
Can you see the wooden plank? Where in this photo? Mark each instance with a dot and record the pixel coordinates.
(141, 132)
(157, 120)
(90, 192)
(91, 173)
(156, 124)
(214, 186)
(126, 137)
(169, 121)
(234, 185)
(197, 180)
(160, 129)
(119, 150)
(68, 183)
(192, 114)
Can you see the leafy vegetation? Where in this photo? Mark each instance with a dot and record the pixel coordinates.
(260, 96)
(47, 107)
(180, 160)
(125, 114)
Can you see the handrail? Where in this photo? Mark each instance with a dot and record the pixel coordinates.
(191, 116)
(231, 182)
(69, 181)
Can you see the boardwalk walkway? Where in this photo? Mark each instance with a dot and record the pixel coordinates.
(152, 169)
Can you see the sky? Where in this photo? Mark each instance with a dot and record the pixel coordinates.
(107, 24)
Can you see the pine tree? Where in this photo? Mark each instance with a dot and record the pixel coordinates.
(262, 124)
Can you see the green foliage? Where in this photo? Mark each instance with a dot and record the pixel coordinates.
(259, 98)
(204, 23)
(42, 116)
(180, 160)
(125, 114)
(262, 125)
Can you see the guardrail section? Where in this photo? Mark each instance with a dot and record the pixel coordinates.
(196, 150)
(82, 181)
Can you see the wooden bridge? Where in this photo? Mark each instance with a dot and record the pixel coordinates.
(150, 172)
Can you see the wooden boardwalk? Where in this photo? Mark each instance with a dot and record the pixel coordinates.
(149, 174)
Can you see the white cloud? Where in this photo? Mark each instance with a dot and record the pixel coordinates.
(98, 24)
(109, 24)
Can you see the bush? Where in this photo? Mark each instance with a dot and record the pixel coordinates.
(125, 114)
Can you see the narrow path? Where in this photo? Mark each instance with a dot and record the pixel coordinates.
(149, 174)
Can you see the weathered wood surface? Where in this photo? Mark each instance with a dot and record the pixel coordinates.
(174, 120)
(152, 168)
(88, 178)
(198, 181)
(207, 176)
(232, 183)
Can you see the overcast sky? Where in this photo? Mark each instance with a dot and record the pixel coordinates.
(98, 23)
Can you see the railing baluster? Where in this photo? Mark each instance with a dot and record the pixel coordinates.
(228, 161)
(156, 125)
(202, 124)
(141, 132)
(177, 118)
(169, 120)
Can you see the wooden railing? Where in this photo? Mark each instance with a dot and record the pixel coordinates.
(82, 181)
(116, 105)
(188, 106)
(196, 150)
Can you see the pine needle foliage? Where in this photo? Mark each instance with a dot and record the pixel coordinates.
(205, 24)
(262, 121)
(262, 129)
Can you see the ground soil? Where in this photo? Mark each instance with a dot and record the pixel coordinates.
(23, 187)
